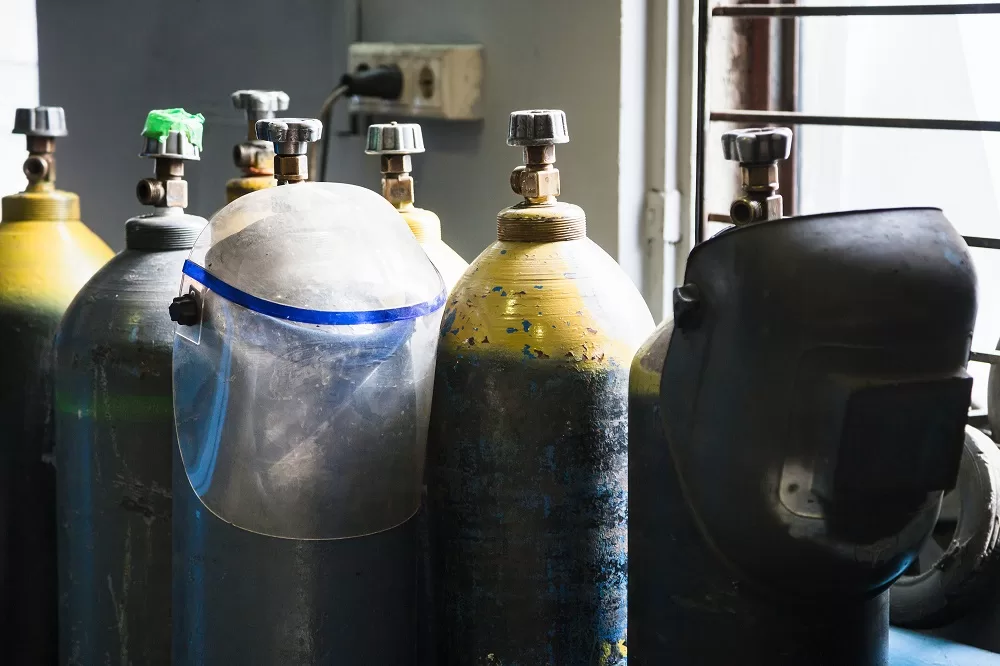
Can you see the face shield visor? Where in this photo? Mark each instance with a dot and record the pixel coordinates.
(302, 393)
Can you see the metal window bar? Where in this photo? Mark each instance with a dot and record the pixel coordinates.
(775, 10)
(792, 11)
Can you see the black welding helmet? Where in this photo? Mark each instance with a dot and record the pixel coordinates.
(814, 393)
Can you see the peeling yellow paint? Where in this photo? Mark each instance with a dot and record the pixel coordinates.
(549, 301)
(607, 649)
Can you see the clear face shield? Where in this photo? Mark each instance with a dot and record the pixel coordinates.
(302, 393)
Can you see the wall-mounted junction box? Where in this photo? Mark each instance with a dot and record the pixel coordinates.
(439, 80)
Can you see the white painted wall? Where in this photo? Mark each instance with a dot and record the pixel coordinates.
(109, 62)
(18, 84)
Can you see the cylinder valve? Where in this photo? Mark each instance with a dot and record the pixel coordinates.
(394, 143)
(538, 132)
(253, 156)
(758, 151)
(172, 136)
(40, 126)
(291, 138)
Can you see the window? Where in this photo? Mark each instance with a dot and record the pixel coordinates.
(891, 66)
(907, 66)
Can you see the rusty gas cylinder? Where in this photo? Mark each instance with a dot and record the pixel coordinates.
(527, 452)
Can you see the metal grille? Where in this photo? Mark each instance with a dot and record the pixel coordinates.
(709, 11)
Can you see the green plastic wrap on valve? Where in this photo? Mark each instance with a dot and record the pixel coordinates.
(161, 122)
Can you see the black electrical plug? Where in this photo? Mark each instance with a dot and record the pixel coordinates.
(384, 82)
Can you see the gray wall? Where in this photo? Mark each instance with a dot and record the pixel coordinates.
(110, 62)
(109, 66)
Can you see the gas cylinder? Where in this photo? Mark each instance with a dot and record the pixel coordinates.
(394, 143)
(115, 424)
(46, 255)
(303, 369)
(253, 156)
(792, 431)
(527, 448)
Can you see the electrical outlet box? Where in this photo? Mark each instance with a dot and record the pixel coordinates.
(439, 80)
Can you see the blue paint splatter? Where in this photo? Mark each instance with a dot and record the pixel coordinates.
(538, 286)
(533, 387)
(525, 325)
(503, 293)
(527, 352)
(497, 288)
(512, 330)
(449, 319)
(133, 335)
(503, 251)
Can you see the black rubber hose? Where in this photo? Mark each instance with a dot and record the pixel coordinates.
(380, 82)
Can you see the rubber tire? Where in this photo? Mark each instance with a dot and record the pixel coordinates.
(969, 568)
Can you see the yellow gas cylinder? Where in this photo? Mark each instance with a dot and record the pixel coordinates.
(528, 443)
(394, 143)
(46, 256)
(254, 157)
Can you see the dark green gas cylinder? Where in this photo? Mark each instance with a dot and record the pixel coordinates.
(46, 255)
(527, 449)
(115, 425)
(792, 431)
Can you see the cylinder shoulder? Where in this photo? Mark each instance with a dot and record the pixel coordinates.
(237, 187)
(448, 262)
(647, 366)
(426, 228)
(132, 291)
(566, 301)
(44, 264)
(425, 224)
